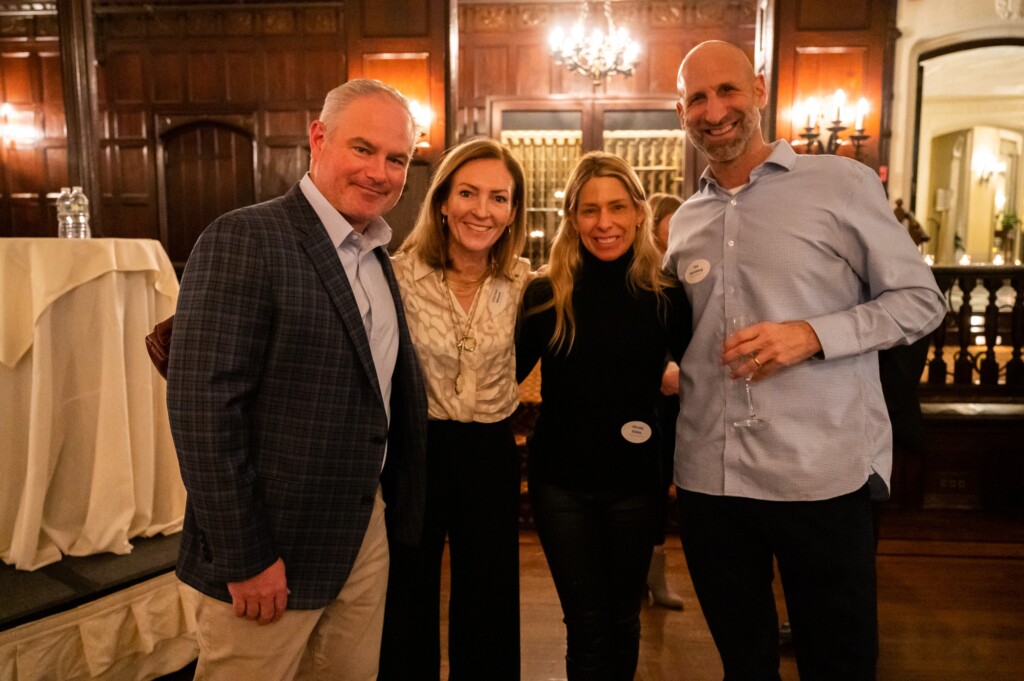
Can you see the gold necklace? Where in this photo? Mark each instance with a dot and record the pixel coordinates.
(464, 342)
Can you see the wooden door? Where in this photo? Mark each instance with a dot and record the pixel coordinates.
(207, 171)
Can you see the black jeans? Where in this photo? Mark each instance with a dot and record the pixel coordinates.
(473, 482)
(599, 550)
(826, 559)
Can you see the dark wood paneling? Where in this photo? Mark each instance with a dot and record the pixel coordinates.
(208, 171)
(851, 15)
(820, 49)
(206, 82)
(395, 19)
(18, 78)
(122, 73)
(240, 78)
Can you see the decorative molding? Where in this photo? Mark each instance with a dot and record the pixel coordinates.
(240, 20)
(483, 16)
(666, 15)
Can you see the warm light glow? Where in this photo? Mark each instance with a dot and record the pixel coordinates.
(537, 234)
(421, 114)
(985, 164)
(1000, 200)
(929, 259)
(838, 102)
(598, 55)
(998, 259)
(965, 259)
(862, 111)
(16, 133)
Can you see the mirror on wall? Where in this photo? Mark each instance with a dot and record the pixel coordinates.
(970, 139)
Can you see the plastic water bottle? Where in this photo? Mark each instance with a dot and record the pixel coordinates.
(79, 228)
(64, 212)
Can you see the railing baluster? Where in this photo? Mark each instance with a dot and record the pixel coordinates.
(963, 368)
(989, 369)
(1015, 366)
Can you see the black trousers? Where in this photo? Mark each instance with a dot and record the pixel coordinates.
(826, 559)
(473, 483)
(599, 550)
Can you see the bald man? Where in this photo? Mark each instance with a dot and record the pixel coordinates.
(809, 246)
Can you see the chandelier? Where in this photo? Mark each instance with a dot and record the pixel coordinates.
(599, 54)
(1010, 9)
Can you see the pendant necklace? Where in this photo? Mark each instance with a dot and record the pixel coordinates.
(464, 341)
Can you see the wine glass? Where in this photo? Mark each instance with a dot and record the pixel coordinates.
(735, 324)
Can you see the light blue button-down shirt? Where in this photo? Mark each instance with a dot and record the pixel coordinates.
(808, 238)
(366, 278)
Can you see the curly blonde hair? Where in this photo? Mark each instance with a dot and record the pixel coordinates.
(645, 269)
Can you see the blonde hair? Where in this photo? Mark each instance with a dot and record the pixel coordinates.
(430, 236)
(644, 270)
(662, 205)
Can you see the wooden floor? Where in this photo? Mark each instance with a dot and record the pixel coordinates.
(948, 610)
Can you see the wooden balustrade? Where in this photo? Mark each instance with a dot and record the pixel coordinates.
(977, 352)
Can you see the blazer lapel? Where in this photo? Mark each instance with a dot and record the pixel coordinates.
(325, 260)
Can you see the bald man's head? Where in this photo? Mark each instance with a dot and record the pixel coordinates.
(720, 99)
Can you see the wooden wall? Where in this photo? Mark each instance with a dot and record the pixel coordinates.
(31, 84)
(816, 47)
(203, 106)
(503, 49)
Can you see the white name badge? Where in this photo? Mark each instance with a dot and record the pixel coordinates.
(636, 432)
(696, 271)
(499, 295)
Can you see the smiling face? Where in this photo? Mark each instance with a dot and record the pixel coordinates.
(360, 157)
(479, 207)
(606, 218)
(720, 102)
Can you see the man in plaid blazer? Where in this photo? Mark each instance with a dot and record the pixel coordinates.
(297, 404)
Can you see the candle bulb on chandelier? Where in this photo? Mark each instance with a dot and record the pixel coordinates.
(838, 100)
(862, 110)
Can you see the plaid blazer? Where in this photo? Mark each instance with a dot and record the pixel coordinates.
(276, 410)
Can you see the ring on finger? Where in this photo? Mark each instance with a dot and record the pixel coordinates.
(757, 362)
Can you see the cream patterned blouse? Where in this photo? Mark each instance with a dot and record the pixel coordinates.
(488, 385)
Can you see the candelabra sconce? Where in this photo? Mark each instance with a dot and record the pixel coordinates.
(809, 112)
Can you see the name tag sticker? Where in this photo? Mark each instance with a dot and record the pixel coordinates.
(636, 432)
(499, 294)
(696, 271)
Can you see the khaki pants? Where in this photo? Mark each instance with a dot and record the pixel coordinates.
(339, 642)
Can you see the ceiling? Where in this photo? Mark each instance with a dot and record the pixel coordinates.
(981, 72)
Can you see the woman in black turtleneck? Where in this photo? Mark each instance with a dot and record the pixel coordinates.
(602, 321)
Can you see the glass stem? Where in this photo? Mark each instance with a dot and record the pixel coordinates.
(750, 398)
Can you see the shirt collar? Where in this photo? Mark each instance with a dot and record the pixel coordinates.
(420, 268)
(782, 157)
(377, 232)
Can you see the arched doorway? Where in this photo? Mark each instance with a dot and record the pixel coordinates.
(206, 168)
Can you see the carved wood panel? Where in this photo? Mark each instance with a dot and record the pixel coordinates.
(820, 50)
(504, 46)
(208, 170)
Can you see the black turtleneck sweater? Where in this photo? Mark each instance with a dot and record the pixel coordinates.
(610, 377)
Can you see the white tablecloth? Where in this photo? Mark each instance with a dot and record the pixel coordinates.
(86, 456)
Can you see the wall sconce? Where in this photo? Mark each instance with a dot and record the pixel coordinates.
(986, 165)
(422, 116)
(15, 133)
(812, 112)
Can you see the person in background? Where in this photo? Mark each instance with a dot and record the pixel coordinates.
(601, 320)
(297, 408)
(462, 279)
(663, 206)
(808, 244)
